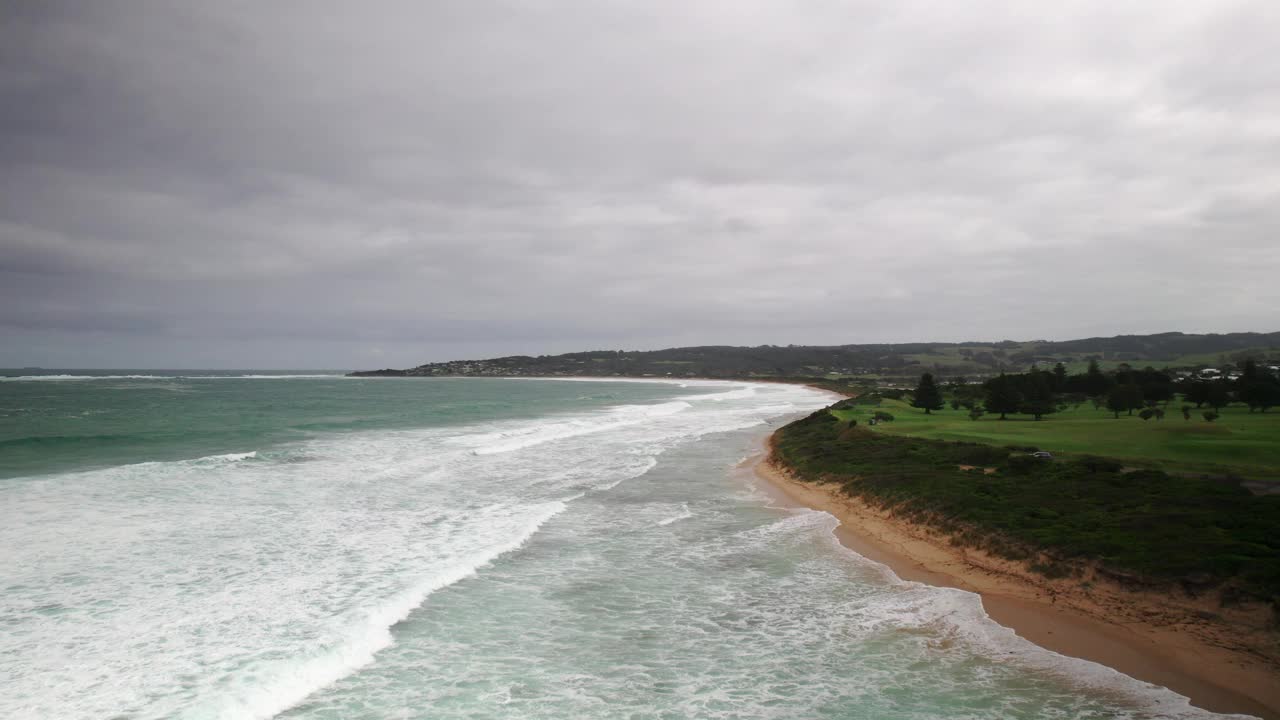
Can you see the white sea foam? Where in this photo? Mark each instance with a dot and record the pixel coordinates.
(396, 573)
(258, 377)
(263, 690)
(54, 378)
(237, 584)
(740, 393)
(684, 514)
(532, 435)
(37, 378)
(233, 457)
(958, 615)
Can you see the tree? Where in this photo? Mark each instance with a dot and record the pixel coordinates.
(1002, 396)
(1260, 394)
(1117, 400)
(1256, 389)
(1123, 398)
(1134, 394)
(1038, 398)
(1197, 391)
(1156, 385)
(1270, 396)
(1059, 377)
(927, 396)
(1217, 396)
(1249, 371)
(1095, 382)
(1186, 412)
(976, 412)
(1210, 415)
(955, 403)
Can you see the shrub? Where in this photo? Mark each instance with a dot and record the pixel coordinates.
(1210, 415)
(1023, 464)
(983, 455)
(1095, 464)
(882, 416)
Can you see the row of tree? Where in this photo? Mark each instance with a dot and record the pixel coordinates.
(1040, 392)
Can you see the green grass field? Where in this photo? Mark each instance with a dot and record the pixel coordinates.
(1239, 442)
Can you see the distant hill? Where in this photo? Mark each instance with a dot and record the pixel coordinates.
(898, 360)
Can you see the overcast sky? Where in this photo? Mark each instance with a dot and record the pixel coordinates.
(355, 185)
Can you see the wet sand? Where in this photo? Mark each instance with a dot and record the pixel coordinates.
(1137, 633)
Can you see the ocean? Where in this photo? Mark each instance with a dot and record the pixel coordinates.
(297, 545)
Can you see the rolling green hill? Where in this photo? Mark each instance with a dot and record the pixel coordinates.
(883, 362)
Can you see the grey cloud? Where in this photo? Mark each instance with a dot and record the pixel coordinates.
(329, 184)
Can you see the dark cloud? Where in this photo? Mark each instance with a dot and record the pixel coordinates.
(303, 184)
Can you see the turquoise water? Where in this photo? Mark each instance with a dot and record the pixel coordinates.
(327, 547)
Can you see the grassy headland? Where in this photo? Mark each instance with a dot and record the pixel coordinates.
(1143, 524)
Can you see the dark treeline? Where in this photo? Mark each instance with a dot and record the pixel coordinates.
(1125, 390)
(896, 360)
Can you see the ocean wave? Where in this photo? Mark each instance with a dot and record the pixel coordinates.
(527, 437)
(229, 457)
(61, 378)
(63, 442)
(264, 690)
(741, 393)
(38, 378)
(288, 577)
(256, 377)
(685, 513)
(959, 616)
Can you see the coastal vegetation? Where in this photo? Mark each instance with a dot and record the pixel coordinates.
(880, 363)
(1146, 418)
(1142, 526)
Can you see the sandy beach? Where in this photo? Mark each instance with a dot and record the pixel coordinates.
(1151, 636)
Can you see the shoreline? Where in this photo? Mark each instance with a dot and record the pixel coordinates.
(1213, 677)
